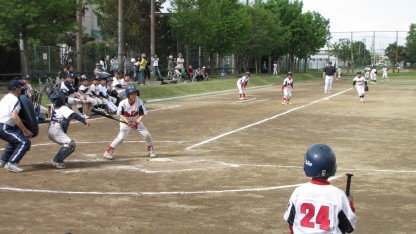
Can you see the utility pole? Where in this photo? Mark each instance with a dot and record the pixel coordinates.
(152, 30)
(79, 39)
(120, 45)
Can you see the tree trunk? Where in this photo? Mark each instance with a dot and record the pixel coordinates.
(24, 53)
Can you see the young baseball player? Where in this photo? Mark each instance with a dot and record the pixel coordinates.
(131, 110)
(373, 75)
(12, 128)
(317, 206)
(384, 76)
(107, 100)
(339, 73)
(242, 84)
(367, 72)
(287, 88)
(359, 82)
(58, 127)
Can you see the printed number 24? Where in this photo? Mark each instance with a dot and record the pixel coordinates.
(321, 218)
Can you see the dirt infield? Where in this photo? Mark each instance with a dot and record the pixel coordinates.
(224, 166)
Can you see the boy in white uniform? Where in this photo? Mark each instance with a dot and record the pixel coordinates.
(131, 110)
(318, 206)
(384, 73)
(242, 84)
(373, 75)
(359, 82)
(287, 88)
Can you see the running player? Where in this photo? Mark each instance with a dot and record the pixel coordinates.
(359, 82)
(131, 110)
(242, 84)
(317, 206)
(287, 88)
(12, 129)
(58, 127)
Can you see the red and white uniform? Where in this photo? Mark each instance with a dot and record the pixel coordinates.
(132, 111)
(242, 84)
(287, 87)
(318, 207)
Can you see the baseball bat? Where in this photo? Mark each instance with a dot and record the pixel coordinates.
(347, 190)
(107, 115)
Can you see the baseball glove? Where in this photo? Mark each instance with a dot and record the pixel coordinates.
(366, 88)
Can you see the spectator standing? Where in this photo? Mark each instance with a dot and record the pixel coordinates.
(180, 62)
(114, 63)
(275, 68)
(142, 66)
(171, 66)
(12, 129)
(328, 76)
(156, 70)
(264, 68)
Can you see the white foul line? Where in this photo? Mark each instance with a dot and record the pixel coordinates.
(152, 193)
(262, 121)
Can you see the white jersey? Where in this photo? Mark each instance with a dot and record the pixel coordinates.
(384, 69)
(116, 82)
(84, 89)
(131, 111)
(373, 71)
(242, 80)
(9, 103)
(359, 81)
(94, 90)
(61, 114)
(318, 207)
(287, 83)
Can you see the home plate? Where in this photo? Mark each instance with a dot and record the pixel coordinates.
(161, 159)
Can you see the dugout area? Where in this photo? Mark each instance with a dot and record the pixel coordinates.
(224, 165)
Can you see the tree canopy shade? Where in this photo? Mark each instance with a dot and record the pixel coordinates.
(35, 20)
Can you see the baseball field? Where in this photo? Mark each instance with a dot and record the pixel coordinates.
(224, 165)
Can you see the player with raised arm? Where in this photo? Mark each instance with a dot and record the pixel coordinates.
(318, 206)
(131, 110)
(287, 88)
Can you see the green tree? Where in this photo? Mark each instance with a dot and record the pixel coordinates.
(395, 54)
(35, 21)
(411, 45)
(216, 25)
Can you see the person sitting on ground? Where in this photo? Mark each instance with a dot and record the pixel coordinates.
(189, 72)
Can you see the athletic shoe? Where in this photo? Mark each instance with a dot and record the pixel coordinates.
(362, 100)
(58, 165)
(152, 154)
(13, 167)
(2, 163)
(85, 116)
(108, 155)
(284, 103)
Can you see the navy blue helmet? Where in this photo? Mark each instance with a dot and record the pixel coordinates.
(132, 88)
(58, 98)
(320, 161)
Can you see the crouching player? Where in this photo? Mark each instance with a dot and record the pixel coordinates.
(58, 127)
(317, 206)
(131, 110)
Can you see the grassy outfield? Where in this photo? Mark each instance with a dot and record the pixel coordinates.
(152, 92)
(217, 84)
